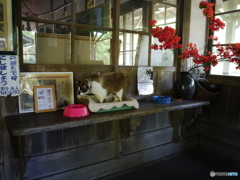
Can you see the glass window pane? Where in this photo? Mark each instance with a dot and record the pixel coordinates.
(168, 1)
(164, 14)
(47, 44)
(224, 67)
(133, 49)
(45, 9)
(29, 47)
(132, 16)
(98, 14)
(93, 49)
(230, 34)
(225, 6)
(161, 57)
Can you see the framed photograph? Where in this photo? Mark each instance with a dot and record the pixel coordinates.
(8, 33)
(90, 4)
(44, 98)
(62, 82)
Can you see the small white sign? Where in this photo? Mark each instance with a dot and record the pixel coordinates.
(145, 80)
(9, 76)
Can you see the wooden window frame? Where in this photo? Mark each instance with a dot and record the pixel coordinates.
(114, 43)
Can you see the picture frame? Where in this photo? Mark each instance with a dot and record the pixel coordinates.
(90, 4)
(8, 27)
(44, 98)
(63, 84)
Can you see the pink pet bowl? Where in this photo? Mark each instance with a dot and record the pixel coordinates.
(76, 110)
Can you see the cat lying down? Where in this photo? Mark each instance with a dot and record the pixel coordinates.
(112, 83)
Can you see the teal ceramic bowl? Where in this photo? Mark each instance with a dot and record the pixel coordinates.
(161, 99)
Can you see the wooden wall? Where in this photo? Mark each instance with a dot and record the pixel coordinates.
(1, 157)
(9, 167)
(220, 127)
(88, 152)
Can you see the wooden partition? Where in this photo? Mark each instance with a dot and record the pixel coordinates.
(220, 130)
(51, 146)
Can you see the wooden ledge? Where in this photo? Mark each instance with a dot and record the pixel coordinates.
(32, 123)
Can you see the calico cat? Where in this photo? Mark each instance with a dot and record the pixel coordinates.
(112, 83)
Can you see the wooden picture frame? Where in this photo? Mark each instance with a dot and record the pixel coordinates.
(62, 81)
(44, 98)
(8, 28)
(90, 4)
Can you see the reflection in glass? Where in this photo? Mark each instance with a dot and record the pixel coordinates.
(132, 16)
(168, 1)
(46, 9)
(164, 15)
(47, 44)
(225, 6)
(99, 15)
(224, 67)
(29, 47)
(93, 49)
(133, 49)
(230, 34)
(161, 57)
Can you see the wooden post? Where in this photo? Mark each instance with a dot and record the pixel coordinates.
(115, 45)
(117, 139)
(176, 118)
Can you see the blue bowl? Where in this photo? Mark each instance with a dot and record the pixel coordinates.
(161, 99)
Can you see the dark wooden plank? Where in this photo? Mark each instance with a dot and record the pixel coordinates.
(226, 105)
(220, 148)
(31, 123)
(165, 80)
(54, 140)
(112, 166)
(147, 140)
(49, 164)
(2, 172)
(220, 106)
(153, 121)
(221, 134)
(232, 117)
(147, 123)
(132, 83)
(68, 137)
(85, 135)
(104, 131)
(163, 120)
(191, 130)
(36, 144)
(1, 140)
(11, 165)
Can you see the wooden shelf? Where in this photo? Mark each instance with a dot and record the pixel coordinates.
(32, 123)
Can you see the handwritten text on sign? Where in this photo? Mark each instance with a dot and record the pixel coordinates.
(9, 76)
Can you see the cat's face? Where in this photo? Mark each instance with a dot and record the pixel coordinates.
(83, 88)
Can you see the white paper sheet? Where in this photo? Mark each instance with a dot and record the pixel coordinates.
(9, 75)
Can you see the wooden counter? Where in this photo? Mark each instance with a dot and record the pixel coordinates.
(31, 123)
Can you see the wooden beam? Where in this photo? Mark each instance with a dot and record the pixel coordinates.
(115, 44)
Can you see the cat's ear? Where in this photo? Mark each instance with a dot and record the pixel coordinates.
(78, 82)
(85, 83)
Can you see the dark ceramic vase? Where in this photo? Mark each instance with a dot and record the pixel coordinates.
(184, 86)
